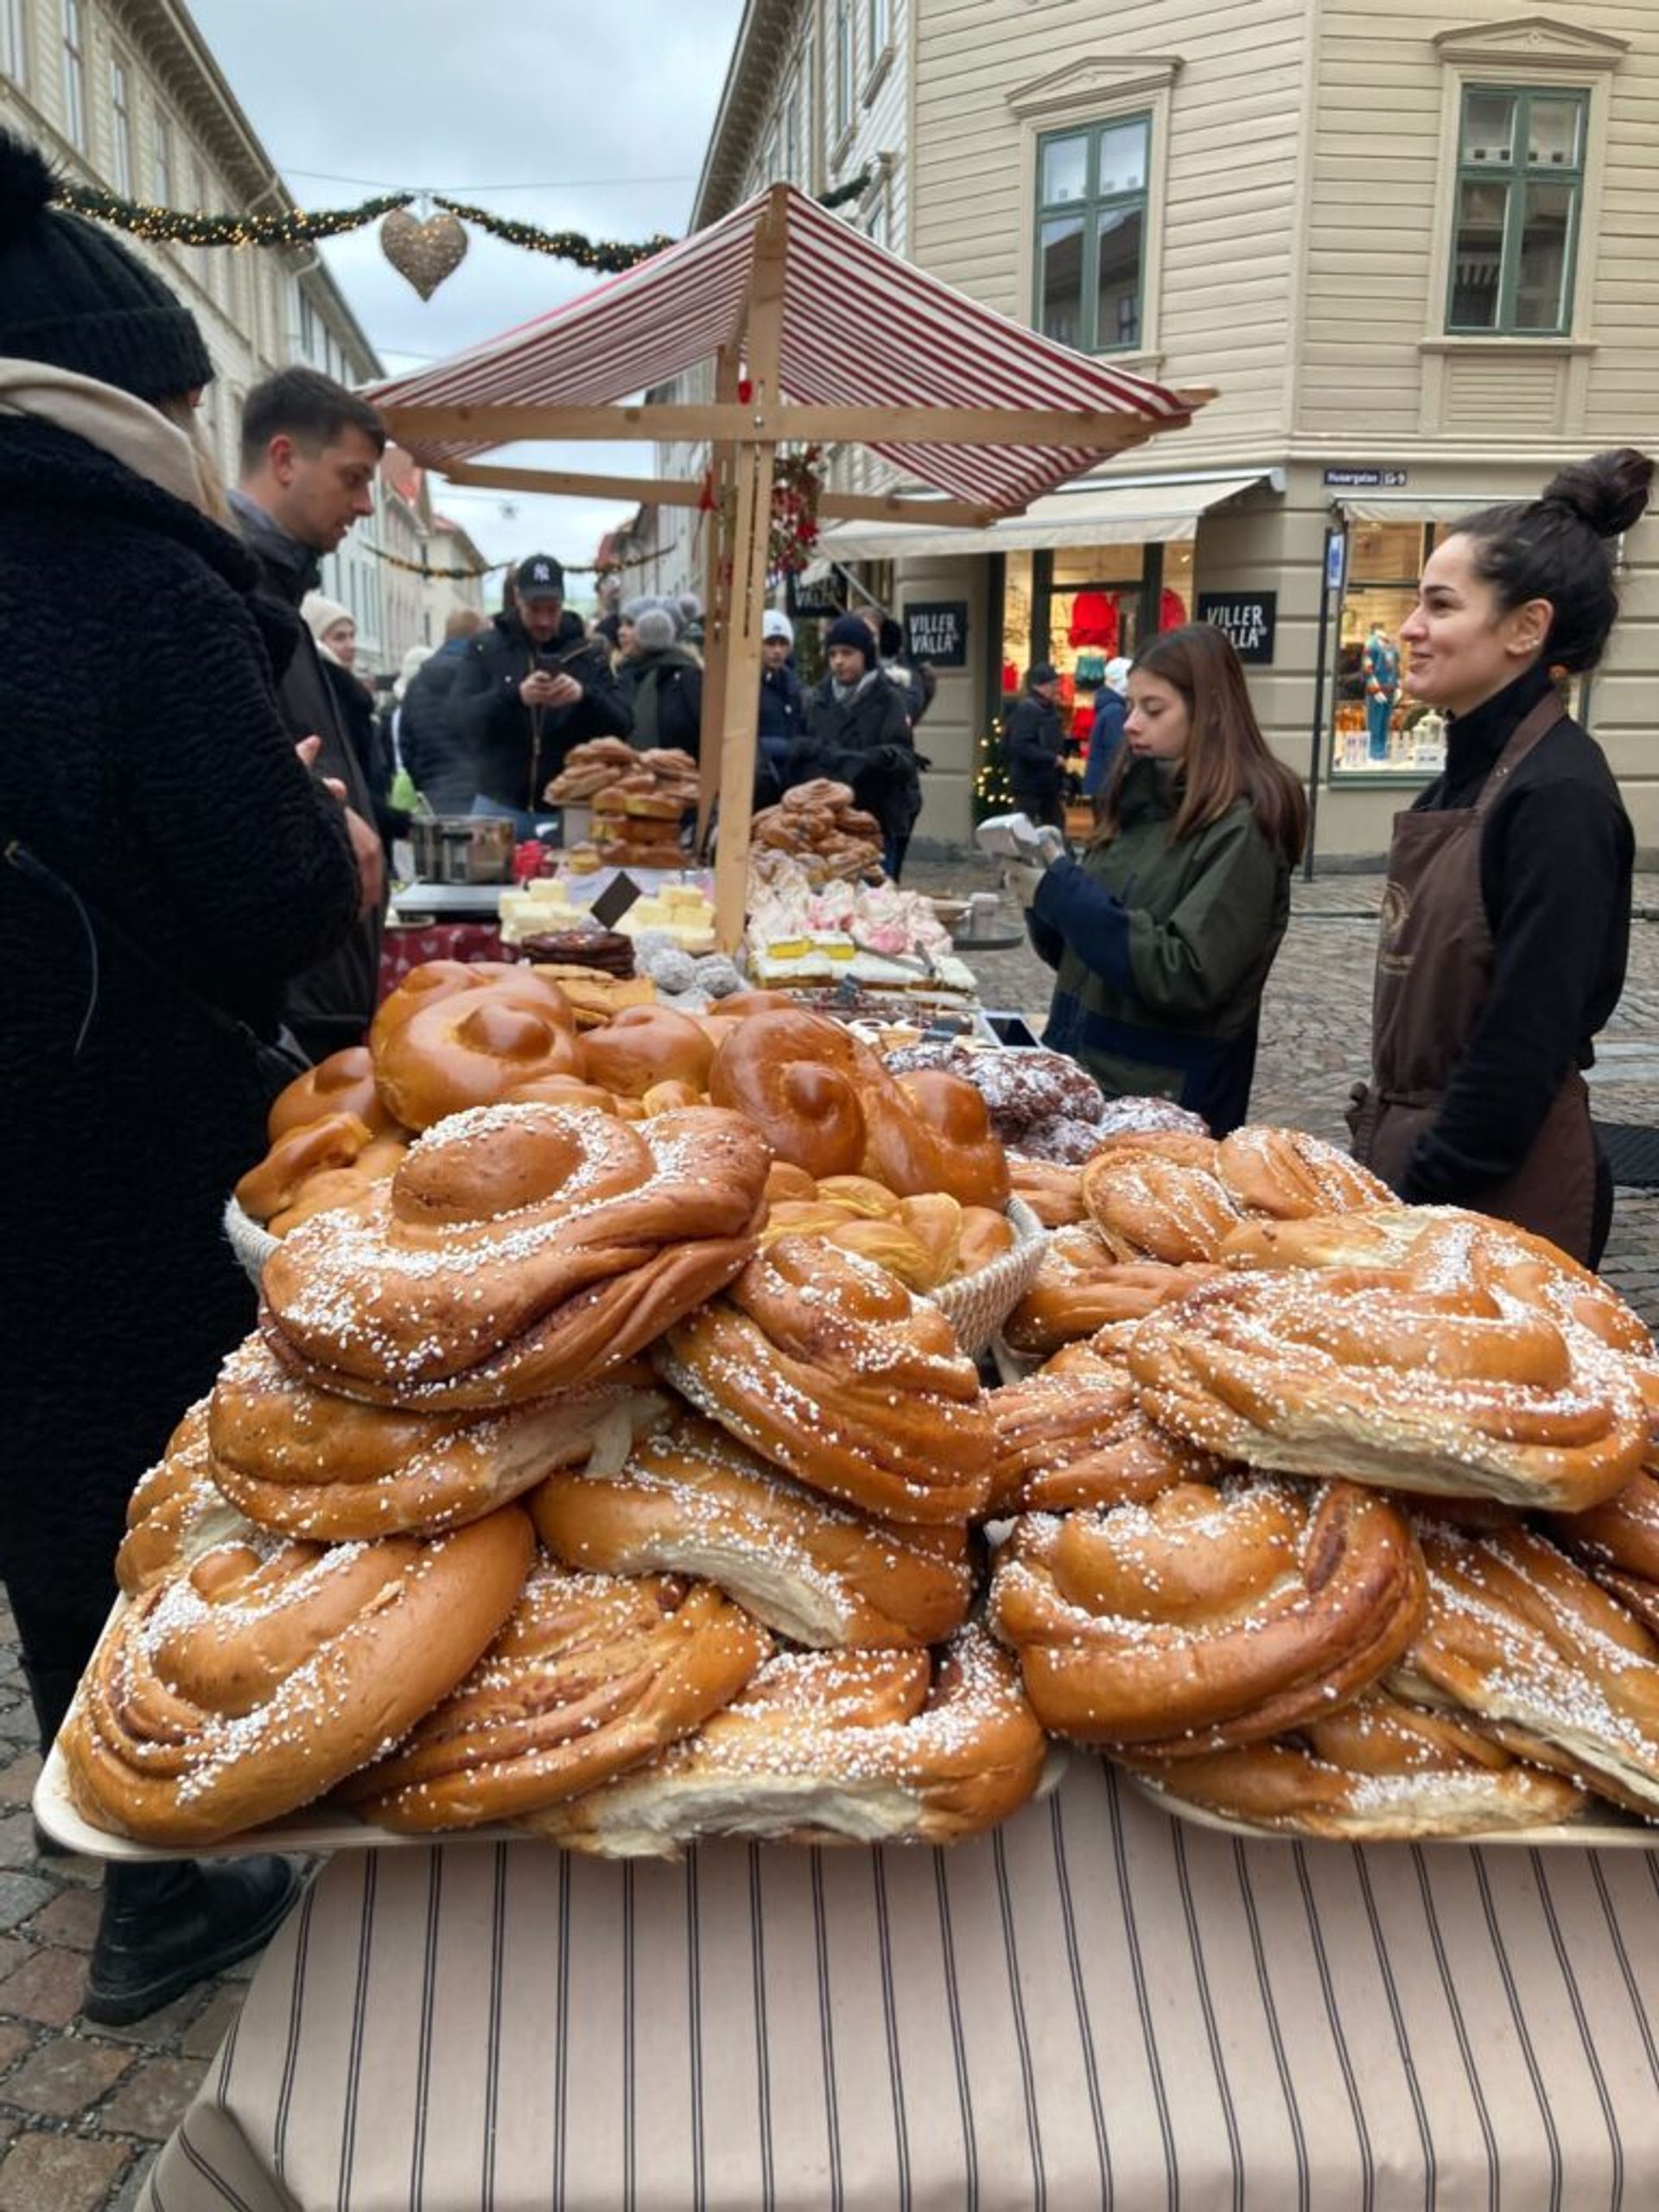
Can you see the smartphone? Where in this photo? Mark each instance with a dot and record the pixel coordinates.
(1012, 1029)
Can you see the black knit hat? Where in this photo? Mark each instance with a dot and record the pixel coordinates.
(72, 295)
(851, 630)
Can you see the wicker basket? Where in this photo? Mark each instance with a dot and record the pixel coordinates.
(251, 1241)
(976, 1306)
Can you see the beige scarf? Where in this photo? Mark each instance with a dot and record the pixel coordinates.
(131, 430)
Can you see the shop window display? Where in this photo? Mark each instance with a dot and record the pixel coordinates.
(1380, 728)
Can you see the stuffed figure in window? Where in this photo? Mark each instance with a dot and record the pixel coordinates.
(1381, 665)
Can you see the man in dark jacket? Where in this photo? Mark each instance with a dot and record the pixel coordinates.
(858, 733)
(309, 451)
(783, 701)
(529, 688)
(1034, 747)
(433, 750)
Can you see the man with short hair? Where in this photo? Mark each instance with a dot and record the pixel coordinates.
(1034, 747)
(530, 687)
(309, 451)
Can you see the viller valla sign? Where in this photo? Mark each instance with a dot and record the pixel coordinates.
(936, 631)
(1248, 620)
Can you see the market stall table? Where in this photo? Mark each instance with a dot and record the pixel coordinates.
(409, 947)
(1093, 2006)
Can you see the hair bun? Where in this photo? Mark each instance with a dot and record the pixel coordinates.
(1608, 492)
(27, 185)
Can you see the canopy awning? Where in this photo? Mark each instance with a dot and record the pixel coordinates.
(1418, 506)
(861, 329)
(1087, 514)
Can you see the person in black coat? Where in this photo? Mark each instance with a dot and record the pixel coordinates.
(660, 678)
(334, 630)
(857, 733)
(782, 717)
(1034, 745)
(170, 861)
(435, 752)
(529, 688)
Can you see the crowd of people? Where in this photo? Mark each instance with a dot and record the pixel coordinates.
(196, 804)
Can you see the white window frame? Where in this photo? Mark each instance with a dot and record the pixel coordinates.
(77, 101)
(844, 32)
(14, 42)
(1535, 54)
(123, 142)
(162, 155)
(1101, 89)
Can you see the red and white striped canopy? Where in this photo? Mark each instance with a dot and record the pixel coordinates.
(861, 327)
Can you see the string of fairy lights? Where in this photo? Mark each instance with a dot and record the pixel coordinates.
(298, 226)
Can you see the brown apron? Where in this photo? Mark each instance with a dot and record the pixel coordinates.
(1433, 967)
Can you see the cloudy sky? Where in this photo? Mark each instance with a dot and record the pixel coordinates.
(591, 120)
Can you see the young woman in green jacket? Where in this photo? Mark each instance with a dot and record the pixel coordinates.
(1164, 933)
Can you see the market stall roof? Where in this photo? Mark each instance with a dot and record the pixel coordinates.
(1161, 512)
(860, 328)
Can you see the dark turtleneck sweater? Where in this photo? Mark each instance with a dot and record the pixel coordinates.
(1556, 853)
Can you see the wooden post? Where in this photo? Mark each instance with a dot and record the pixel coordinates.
(751, 534)
(716, 596)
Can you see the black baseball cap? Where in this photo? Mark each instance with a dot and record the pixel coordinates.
(540, 577)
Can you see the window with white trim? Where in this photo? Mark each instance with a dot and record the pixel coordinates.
(1092, 223)
(75, 74)
(161, 163)
(879, 31)
(1521, 159)
(843, 67)
(13, 40)
(123, 168)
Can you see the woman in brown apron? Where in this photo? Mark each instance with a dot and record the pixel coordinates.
(1506, 916)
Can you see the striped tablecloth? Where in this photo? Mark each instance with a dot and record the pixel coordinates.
(1095, 2007)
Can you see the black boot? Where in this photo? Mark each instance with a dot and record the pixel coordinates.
(169, 1925)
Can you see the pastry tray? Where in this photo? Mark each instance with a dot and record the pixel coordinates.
(1606, 1828)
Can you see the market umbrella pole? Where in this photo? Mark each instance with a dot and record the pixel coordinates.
(738, 646)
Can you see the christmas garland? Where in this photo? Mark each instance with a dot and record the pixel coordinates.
(471, 576)
(294, 226)
(797, 481)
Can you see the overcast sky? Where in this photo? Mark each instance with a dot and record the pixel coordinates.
(594, 121)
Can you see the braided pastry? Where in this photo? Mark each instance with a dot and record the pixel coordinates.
(250, 1684)
(1287, 1174)
(1518, 1635)
(309, 1463)
(177, 1511)
(1073, 1434)
(646, 1045)
(1081, 1285)
(1378, 1771)
(692, 1501)
(518, 1250)
(588, 1677)
(310, 1148)
(1160, 1198)
(434, 980)
(1052, 1190)
(378, 1162)
(1460, 1392)
(1204, 1617)
(343, 1084)
(829, 1366)
(870, 1746)
(472, 1048)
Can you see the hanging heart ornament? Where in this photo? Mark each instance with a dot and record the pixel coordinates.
(424, 252)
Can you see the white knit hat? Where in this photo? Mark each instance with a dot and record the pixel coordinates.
(321, 614)
(775, 625)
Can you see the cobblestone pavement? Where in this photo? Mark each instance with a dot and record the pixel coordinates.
(83, 2109)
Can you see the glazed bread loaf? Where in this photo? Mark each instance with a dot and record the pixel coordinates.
(1206, 1618)
(588, 1677)
(308, 1463)
(825, 1746)
(1452, 1392)
(692, 1501)
(519, 1250)
(827, 1366)
(1073, 1435)
(257, 1679)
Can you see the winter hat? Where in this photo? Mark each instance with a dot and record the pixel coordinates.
(774, 624)
(1041, 671)
(71, 295)
(892, 638)
(321, 614)
(1116, 677)
(414, 660)
(657, 623)
(851, 630)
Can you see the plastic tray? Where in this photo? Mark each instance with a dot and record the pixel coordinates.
(1605, 1829)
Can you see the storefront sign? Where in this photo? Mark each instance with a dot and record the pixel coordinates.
(936, 630)
(823, 595)
(1366, 480)
(1247, 620)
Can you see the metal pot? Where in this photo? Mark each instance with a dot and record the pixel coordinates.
(463, 848)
